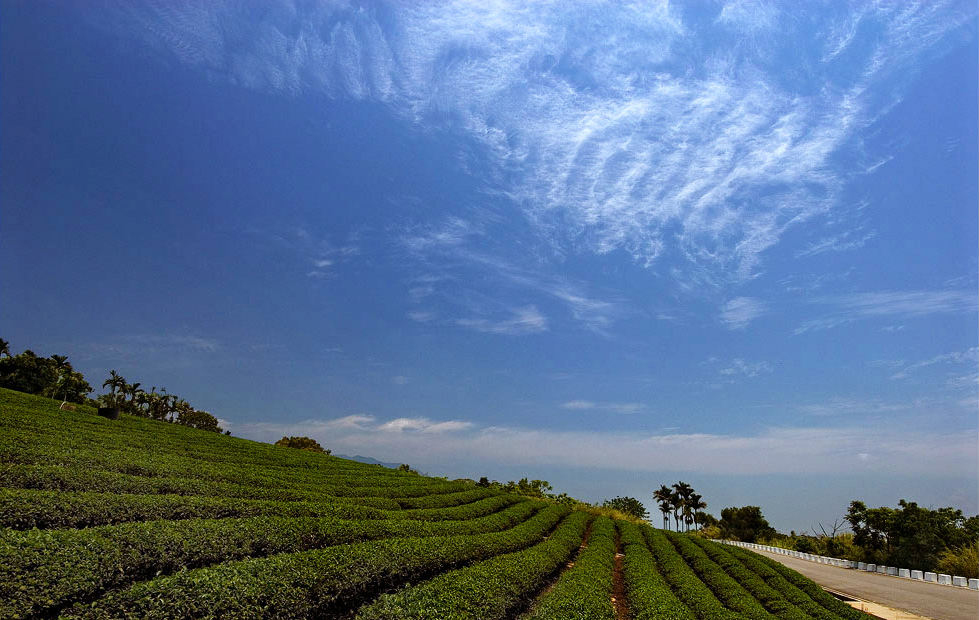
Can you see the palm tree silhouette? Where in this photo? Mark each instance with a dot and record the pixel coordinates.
(681, 500)
(697, 504)
(115, 382)
(664, 497)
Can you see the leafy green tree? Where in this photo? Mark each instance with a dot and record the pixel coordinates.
(406, 468)
(628, 505)
(909, 535)
(4, 348)
(745, 524)
(45, 376)
(28, 372)
(302, 443)
(199, 419)
(530, 488)
(73, 388)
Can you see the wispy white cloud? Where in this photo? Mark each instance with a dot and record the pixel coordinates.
(892, 305)
(523, 321)
(738, 312)
(748, 369)
(845, 241)
(850, 407)
(617, 128)
(956, 357)
(134, 346)
(423, 425)
(587, 405)
(421, 316)
(319, 255)
(400, 380)
(444, 249)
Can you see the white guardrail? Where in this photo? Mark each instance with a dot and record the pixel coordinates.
(917, 575)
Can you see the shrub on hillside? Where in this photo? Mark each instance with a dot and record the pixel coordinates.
(963, 561)
(628, 505)
(302, 443)
(200, 419)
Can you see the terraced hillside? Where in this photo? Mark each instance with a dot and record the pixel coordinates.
(141, 519)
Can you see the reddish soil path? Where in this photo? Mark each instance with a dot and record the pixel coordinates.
(619, 601)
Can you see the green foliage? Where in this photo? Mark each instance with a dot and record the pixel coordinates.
(650, 596)
(745, 524)
(46, 376)
(309, 583)
(684, 582)
(772, 600)
(792, 593)
(808, 587)
(628, 505)
(51, 569)
(407, 469)
(200, 420)
(488, 590)
(302, 443)
(732, 594)
(23, 509)
(963, 561)
(584, 592)
(909, 535)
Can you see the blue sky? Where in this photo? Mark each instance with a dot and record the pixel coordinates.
(608, 245)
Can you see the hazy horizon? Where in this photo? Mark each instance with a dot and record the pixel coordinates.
(611, 246)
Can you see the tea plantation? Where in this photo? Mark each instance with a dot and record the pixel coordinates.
(135, 518)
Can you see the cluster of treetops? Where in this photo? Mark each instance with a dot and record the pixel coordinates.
(54, 377)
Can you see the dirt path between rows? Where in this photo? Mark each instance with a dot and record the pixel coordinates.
(619, 601)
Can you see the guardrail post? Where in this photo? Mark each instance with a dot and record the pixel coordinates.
(932, 577)
(974, 584)
(962, 582)
(904, 573)
(945, 580)
(917, 574)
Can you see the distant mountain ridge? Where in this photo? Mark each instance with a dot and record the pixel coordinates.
(369, 460)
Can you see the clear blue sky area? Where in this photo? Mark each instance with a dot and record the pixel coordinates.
(610, 246)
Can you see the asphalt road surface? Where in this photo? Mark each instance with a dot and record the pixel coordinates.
(925, 599)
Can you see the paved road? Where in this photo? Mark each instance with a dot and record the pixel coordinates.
(925, 599)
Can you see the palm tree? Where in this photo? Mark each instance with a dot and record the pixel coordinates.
(131, 390)
(60, 366)
(681, 499)
(697, 504)
(664, 498)
(115, 382)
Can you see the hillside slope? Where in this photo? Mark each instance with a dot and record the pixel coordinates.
(143, 519)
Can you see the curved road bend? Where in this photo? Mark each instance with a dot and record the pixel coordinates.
(925, 599)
